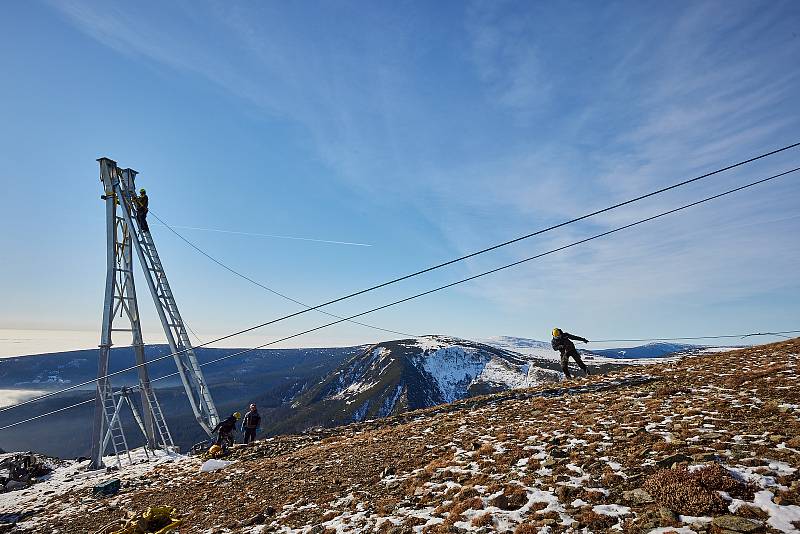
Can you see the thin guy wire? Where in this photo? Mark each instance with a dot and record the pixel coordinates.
(273, 321)
(262, 286)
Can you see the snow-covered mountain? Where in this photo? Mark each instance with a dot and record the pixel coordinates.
(396, 376)
(650, 350)
(526, 347)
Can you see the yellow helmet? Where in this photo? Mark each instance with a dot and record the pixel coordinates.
(556, 332)
(237, 415)
(214, 450)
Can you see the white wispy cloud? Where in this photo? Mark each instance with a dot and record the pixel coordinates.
(571, 114)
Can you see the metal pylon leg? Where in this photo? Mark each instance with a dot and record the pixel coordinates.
(120, 300)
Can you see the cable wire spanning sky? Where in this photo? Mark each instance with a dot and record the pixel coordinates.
(424, 130)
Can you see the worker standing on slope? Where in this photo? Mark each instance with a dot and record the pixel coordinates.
(562, 342)
(250, 424)
(141, 203)
(225, 429)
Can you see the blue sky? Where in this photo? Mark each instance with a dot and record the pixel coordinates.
(426, 130)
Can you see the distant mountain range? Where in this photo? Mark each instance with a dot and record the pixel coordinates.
(272, 377)
(651, 350)
(295, 389)
(543, 349)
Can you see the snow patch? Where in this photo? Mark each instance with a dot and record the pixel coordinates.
(214, 465)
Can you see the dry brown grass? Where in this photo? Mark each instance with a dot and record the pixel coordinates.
(483, 520)
(686, 492)
(329, 515)
(594, 497)
(385, 506)
(513, 498)
(611, 479)
(474, 503)
(551, 514)
(451, 492)
(735, 381)
(535, 507)
(717, 478)
(443, 508)
(660, 446)
(467, 492)
(526, 528)
(438, 463)
(494, 487)
(486, 449)
(597, 521)
(670, 391)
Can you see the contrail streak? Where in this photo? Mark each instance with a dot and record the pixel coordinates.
(254, 234)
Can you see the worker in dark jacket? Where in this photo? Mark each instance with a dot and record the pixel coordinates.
(225, 429)
(562, 342)
(141, 203)
(250, 424)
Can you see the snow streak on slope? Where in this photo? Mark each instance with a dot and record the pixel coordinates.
(456, 365)
(453, 369)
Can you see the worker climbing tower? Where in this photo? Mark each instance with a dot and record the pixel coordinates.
(123, 236)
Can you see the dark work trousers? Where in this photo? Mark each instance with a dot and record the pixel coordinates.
(225, 439)
(565, 362)
(141, 218)
(250, 434)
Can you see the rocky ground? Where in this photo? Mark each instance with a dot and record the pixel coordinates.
(709, 443)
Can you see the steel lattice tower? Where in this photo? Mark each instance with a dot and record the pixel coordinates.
(123, 235)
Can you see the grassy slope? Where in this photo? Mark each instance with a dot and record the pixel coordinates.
(535, 457)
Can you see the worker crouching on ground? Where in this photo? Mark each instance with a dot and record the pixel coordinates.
(250, 424)
(562, 342)
(141, 202)
(226, 429)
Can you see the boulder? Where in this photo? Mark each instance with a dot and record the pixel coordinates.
(667, 516)
(13, 485)
(638, 496)
(737, 524)
(257, 519)
(549, 462)
(107, 488)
